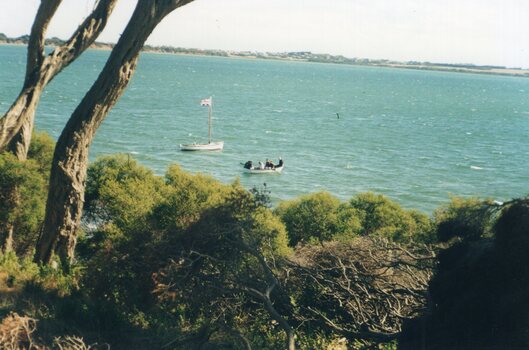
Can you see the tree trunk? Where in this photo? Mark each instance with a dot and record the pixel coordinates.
(6, 238)
(291, 340)
(67, 182)
(19, 144)
(265, 297)
(25, 103)
(16, 125)
(16, 118)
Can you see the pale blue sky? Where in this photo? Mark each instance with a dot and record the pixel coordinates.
(453, 31)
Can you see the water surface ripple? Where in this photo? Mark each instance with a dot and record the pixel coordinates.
(415, 136)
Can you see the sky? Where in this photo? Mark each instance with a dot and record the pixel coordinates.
(484, 32)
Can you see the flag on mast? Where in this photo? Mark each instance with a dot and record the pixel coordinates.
(206, 102)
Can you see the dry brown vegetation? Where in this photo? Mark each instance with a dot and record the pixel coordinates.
(19, 332)
(16, 332)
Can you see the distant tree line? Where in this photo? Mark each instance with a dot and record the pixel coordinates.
(295, 55)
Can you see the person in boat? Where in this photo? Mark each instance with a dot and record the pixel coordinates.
(269, 164)
(261, 165)
(280, 164)
(248, 165)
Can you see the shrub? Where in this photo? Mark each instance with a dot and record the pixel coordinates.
(185, 197)
(479, 295)
(41, 151)
(122, 192)
(383, 217)
(317, 217)
(217, 269)
(23, 193)
(466, 218)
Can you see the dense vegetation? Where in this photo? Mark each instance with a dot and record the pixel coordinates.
(479, 295)
(114, 255)
(183, 261)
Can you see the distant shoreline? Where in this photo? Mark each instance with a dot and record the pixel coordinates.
(300, 56)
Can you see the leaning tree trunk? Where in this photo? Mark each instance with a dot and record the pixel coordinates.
(26, 102)
(16, 125)
(67, 182)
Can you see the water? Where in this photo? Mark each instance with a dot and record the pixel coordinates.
(415, 136)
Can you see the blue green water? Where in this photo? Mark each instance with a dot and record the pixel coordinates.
(415, 136)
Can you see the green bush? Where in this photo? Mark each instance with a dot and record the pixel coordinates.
(383, 217)
(321, 217)
(41, 151)
(216, 264)
(23, 192)
(317, 217)
(137, 217)
(122, 192)
(15, 272)
(479, 294)
(145, 225)
(185, 197)
(424, 228)
(466, 218)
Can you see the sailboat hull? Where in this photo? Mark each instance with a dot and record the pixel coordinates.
(211, 146)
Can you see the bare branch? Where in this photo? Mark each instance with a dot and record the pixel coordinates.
(364, 289)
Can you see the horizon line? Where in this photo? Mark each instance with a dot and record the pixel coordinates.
(54, 41)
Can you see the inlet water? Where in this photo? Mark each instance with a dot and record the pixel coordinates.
(415, 136)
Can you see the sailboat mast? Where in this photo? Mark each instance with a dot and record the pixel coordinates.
(209, 119)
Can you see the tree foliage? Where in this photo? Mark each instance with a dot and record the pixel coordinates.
(217, 235)
(321, 217)
(466, 218)
(23, 191)
(192, 263)
(480, 293)
(223, 268)
(317, 217)
(385, 218)
(121, 192)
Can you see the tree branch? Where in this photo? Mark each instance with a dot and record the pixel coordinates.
(37, 37)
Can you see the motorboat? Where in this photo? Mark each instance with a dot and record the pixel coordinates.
(262, 169)
(257, 170)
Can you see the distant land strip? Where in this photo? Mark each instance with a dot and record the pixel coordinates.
(304, 56)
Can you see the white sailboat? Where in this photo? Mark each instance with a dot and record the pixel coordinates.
(210, 146)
